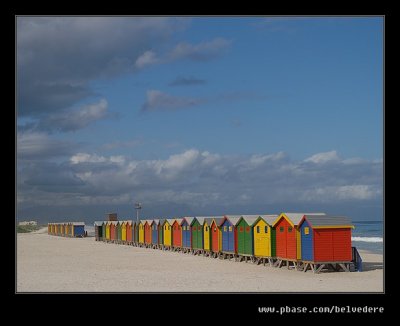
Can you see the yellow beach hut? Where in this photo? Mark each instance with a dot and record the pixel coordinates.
(108, 232)
(168, 232)
(141, 231)
(123, 231)
(264, 236)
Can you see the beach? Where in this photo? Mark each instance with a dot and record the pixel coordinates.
(48, 263)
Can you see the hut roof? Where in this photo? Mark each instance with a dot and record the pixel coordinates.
(269, 219)
(249, 219)
(178, 220)
(295, 218)
(188, 219)
(232, 218)
(324, 221)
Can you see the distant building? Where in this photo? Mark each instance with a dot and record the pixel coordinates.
(27, 223)
(112, 217)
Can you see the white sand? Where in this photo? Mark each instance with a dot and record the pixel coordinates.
(55, 264)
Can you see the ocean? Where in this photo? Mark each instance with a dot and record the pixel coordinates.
(368, 235)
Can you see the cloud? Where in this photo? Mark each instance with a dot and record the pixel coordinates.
(199, 180)
(159, 101)
(203, 51)
(146, 59)
(33, 145)
(74, 119)
(343, 193)
(94, 158)
(57, 57)
(322, 158)
(200, 52)
(187, 81)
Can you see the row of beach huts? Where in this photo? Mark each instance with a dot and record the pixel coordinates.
(67, 229)
(299, 241)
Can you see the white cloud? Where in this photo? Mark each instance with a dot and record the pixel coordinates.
(202, 51)
(361, 192)
(38, 145)
(159, 101)
(72, 119)
(342, 193)
(87, 158)
(259, 159)
(146, 59)
(198, 179)
(323, 157)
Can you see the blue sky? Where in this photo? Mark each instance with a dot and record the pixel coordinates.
(197, 116)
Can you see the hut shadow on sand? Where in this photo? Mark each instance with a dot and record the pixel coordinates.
(371, 266)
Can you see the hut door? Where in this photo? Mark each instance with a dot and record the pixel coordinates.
(214, 240)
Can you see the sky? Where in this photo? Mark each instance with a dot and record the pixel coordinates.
(198, 116)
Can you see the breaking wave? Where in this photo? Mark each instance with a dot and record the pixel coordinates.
(367, 239)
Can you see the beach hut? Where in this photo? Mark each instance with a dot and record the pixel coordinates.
(147, 232)
(137, 227)
(154, 231)
(108, 231)
(98, 230)
(113, 229)
(216, 236)
(118, 231)
(160, 230)
(55, 228)
(79, 229)
(244, 234)
(228, 233)
(197, 233)
(129, 232)
(207, 234)
(264, 236)
(123, 232)
(325, 238)
(288, 245)
(167, 232)
(177, 233)
(186, 233)
(104, 226)
(135, 233)
(67, 229)
(141, 232)
(62, 229)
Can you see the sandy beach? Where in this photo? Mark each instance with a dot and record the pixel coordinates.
(55, 264)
